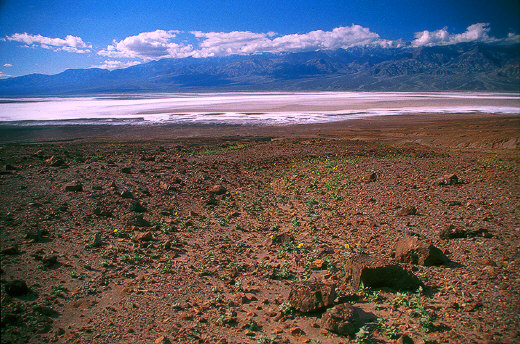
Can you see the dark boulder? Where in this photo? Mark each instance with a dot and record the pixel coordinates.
(342, 319)
(16, 288)
(414, 251)
(379, 273)
(310, 297)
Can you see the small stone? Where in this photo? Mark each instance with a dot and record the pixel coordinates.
(249, 333)
(277, 330)
(404, 339)
(217, 190)
(143, 236)
(35, 235)
(11, 250)
(318, 264)
(126, 194)
(73, 186)
(138, 221)
(473, 306)
(309, 296)
(162, 340)
(50, 261)
(406, 211)
(166, 186)
(370, 178)
(296, 331)
(238, 298)
(137, 207)
(102, 212)
(96, 242)
(282, 239)
(16, 288)
(39, 154)
(451, 232)
(449, 179)
(55, 162)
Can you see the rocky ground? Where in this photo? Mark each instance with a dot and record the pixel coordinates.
(368, 233)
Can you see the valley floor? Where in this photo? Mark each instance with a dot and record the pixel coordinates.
(198, 234)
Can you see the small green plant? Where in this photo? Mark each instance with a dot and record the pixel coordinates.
(201, 269)
(58, 290)
(286, 308)
(285, 271)
(274, 228)
(363, 334)
(390, 331)
(167, 267)
(238, 284)
(265, 340)
(228, 318)
(369, 294)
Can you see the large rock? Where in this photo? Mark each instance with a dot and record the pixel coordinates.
(449, 179)
(73, 186)
(138, 221)
(379, 273)
(342, 319)
(143, 236)
(281, 239)
(452, 232)
(411, 250)
(16, 288)
(55, 161)
(137, 207)
(406, 211)
(217, 190)
(310, 297)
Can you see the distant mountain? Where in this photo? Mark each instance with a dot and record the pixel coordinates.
(467, 66)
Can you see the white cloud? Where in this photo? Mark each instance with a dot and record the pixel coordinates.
(245, 42)
(162, 44)
(8, 65)
(113, 64)
(474, 33)
(69, 43)
(512, 38)
(3, 76)
(148, 46)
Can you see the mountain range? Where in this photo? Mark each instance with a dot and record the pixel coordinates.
(465, 66)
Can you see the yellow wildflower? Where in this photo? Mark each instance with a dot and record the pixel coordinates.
(271, 236)
(300, 245)
(347, 246)
(116, 230)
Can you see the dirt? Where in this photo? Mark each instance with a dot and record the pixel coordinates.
(163, 235)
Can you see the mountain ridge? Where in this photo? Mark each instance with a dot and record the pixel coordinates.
(464, 67)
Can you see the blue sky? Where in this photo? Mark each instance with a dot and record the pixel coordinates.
(38, 36)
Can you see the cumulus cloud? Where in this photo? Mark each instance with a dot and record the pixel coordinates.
(161, 44)
(474, 33)
(148, 46)
(3, 76)
(245, 42)
(7, 65)
(69, 43)
(113, 64)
